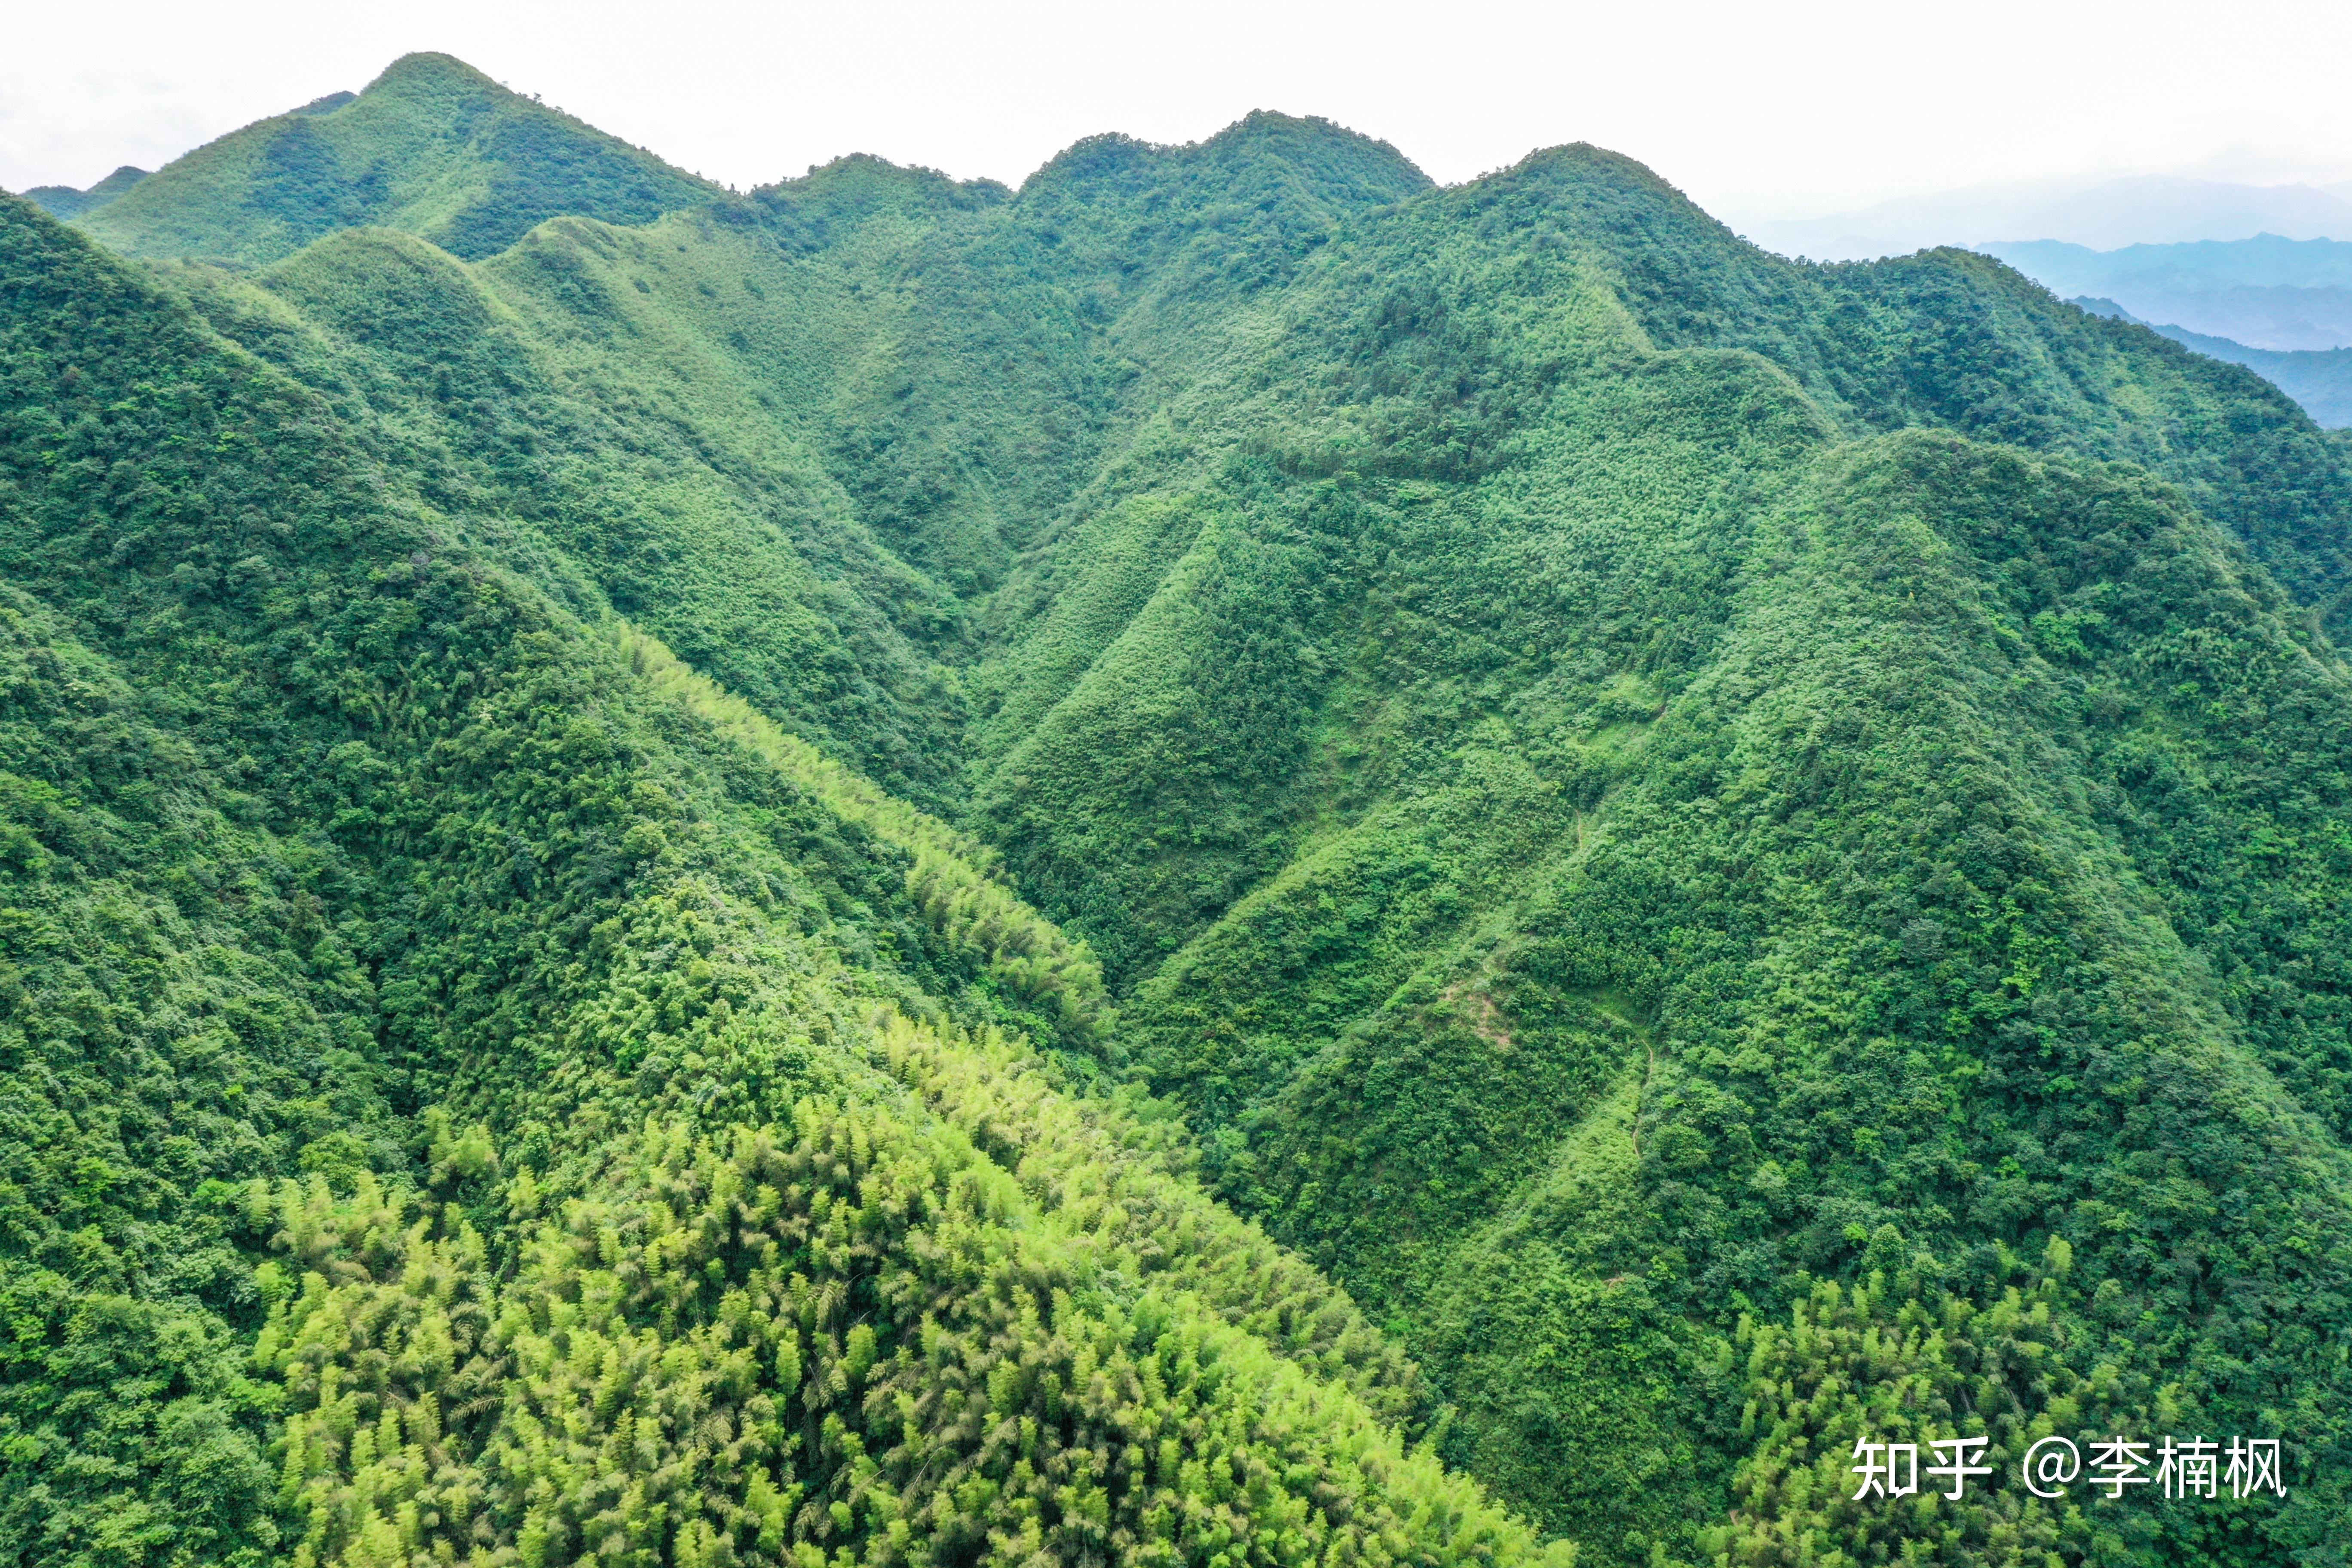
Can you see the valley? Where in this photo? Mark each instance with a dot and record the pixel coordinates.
(1229, 859)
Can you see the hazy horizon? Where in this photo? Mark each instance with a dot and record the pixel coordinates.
(1761, 119)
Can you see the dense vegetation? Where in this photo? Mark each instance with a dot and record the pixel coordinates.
(2318, 379)
(432, 147)
(1227, 860)
(66, 201)
(364, 903)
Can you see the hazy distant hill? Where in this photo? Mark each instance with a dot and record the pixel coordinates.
(66, 201)
(2101, 214)
(432, 146)
(2267, 292)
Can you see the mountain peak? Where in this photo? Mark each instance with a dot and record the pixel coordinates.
(431, 146)
(431, 65)
(66, 201)
(860, 185)
(1312, 166)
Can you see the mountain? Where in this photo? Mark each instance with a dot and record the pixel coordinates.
(2265, 262)
(432, 147)
(2102, 214)
(375, 920)
(1226, 859)
(65, 201)
(2320, 380)
(2266, 293)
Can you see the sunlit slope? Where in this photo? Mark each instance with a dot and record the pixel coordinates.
(1430, 342)
(1890, 934)
(1600, 807)
(1661, 811)
(598, 439)
(432, 146)
(799, 437)
(384, 941)
(962, 351)
(1952, 339)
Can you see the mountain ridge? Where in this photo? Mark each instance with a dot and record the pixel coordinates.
(1734, 855)
(2315, 378)
(2268, 293)
(668, 933)
(432, 145)
(65, 201)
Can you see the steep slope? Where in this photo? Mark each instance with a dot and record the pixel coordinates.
(432, 147)
(1950, 339)
(384, 941)
(2319, 380)
(800, 436)
(1431, 348)
(592, 427)
(1744, 851)
(1548, 840)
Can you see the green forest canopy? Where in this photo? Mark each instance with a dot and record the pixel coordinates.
(1231, 859)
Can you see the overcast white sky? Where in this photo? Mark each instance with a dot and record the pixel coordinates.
(1757, 110)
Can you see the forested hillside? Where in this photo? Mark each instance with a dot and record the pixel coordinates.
(1229, 859)
(433, 147)
(66, 201)
(2318, 379)
(385, 942)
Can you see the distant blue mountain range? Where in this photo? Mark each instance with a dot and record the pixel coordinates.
(2102, 214)
(2267, 292)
